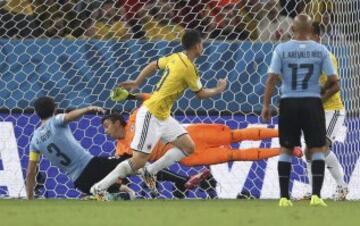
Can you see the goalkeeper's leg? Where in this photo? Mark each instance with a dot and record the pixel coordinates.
(222, 154)
(219, 134)
(253, 134)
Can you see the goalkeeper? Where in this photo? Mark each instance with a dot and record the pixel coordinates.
(213, 141)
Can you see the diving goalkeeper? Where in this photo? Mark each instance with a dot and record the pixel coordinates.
(213, 141)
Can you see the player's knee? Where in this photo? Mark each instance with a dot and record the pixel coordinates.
(138, 160)
(190, 147)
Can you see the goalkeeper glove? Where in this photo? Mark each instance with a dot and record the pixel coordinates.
(119, 94)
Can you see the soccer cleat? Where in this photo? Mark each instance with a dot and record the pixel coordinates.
(284, 202)
(341, 193)
(119, 94)
(196, 179)
(150, 181)
(297, 152)
(98, 193)
(317, 201)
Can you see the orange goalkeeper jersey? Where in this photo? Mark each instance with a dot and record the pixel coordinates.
(123, 145)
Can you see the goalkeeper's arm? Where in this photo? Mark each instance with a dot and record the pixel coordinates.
(120, 94)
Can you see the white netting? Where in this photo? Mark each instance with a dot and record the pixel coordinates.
(76, 51)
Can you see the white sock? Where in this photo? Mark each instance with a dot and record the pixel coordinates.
(170, 157)
(122, 170)
(308, 170)
(335, 168)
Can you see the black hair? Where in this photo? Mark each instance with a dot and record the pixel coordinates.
(45, 107)
(190, 39)
(114, 117)
(316, 28)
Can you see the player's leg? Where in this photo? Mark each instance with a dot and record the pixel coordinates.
(174, 133)
(334, 124)
(210, 134)
(312, 119)
(222, 154)
(96, 170)
(289, 134)
(335, 132)
(146, 136)
(336, 171)
(218, 134)
(182, 182)
(253, 134)
(255, 154)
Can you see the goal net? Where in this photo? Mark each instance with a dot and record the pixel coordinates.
(77, 51)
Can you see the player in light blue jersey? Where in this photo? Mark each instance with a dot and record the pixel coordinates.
(299, 63)
(54, 140)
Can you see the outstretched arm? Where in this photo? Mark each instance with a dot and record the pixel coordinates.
(146, 72)
(120, 94)
(139, 96)
(30, 178)
(76, 114)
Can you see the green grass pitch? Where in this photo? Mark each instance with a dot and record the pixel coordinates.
(175, 213)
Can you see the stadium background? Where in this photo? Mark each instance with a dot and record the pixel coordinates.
(42, 56)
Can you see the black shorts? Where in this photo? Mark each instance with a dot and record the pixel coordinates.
(97, 169)
(302, 114)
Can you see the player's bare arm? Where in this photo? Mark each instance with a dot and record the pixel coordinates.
(76, 114)
(269, 88)
(330, 88)
(146, 72)
(210, 92)
(30, 179)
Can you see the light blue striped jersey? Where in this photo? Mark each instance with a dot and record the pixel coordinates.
(56, 142)
(300, 64)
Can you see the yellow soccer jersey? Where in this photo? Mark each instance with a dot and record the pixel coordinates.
(179, 74)
(334, 102)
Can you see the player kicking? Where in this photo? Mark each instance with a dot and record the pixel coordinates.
(153, 120)
(212, 146)
(299, 63)
(334, 116)
(54, 140)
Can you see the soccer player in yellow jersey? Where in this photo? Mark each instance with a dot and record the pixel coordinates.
(153, 120)
(336, 130)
